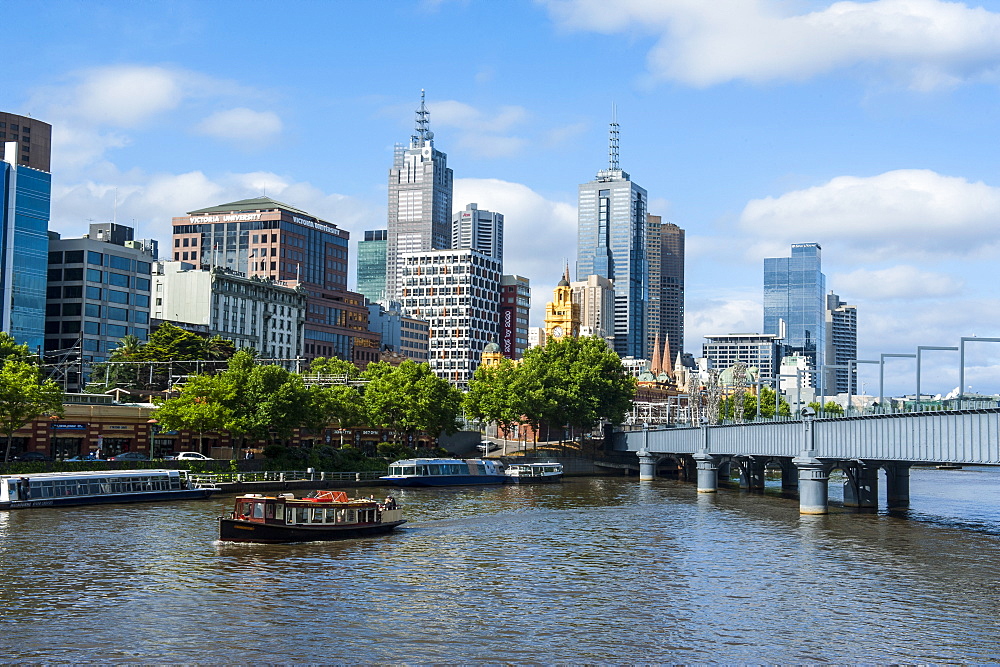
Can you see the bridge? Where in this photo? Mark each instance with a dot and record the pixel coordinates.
(808, 450)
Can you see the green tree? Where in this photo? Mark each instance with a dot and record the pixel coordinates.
(339, 404)
(493, 395)
(410, 398)
(202, 405)
(24, 396)
(332, 367)
(11, 351)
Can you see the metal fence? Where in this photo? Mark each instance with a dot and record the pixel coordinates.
(214, 479)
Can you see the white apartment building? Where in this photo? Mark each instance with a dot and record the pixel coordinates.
(265, 315)
(596, 298)
(458, 293)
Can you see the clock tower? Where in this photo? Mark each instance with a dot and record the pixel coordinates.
(562, 316)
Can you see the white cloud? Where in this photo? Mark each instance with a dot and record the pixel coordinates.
(898, 282)
(906, 213)
(242, 125)
(535, 232)
(711, 316)
(928, 42)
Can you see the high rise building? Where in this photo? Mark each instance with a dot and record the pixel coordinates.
(596, 298)
(33, 137)
(665, 303)
(795, 302)
(841, 344)
(25, 193)
(270, 240)
(98, 293)
(371, 264)
(264, 315)
(458, 293)
(752, 349)
(404, 336)
(611, 242)
(478, 229)
(515, 307)
(420, 190)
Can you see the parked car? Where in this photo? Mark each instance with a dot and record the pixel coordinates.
(193, 456)
(32, 456)
(487, 446)
(85, 457)
(129, 456)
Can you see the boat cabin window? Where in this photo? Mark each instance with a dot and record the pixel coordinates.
(258, 510)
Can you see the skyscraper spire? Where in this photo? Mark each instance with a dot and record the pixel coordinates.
(422, 130)
(613, 140)
(655, 365)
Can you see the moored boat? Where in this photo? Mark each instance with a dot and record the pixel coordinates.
(534, 473)
(445, 472)
(94, 487)
(320, 516)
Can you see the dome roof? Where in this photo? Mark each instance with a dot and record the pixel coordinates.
(646, 376)
(749, 375)
(491, 348)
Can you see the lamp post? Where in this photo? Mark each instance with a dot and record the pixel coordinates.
(881, 373)
(921, 348)
(851, 370)
(961, 361)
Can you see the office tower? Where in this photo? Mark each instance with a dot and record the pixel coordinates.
(265, 239)
(795, 300)
(562, 315)
(665, 303)
(515, 307)
(258, 314)
(25, 193)
(841, 344)
(420, 186)
(371, 264)
(98, 293)
(596, 298)
(458, 293)
(33, 137)
(478, 229)
(611, 242)
(536, 336)
(755, 350)
(403, 336)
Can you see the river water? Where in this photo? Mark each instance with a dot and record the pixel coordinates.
(596, 570)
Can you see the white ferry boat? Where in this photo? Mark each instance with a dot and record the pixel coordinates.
(445, 472)
(534, 473)
(60, 489)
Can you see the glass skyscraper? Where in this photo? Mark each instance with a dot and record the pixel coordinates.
(795, 293)
(371, 265)
(611, 242)
(24, 225)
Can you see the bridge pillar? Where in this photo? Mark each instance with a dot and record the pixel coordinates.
(861, 486)
(751, 473)
(813, 479)
(647, 465)
(708, 472)
(897, 486)
(789, 475)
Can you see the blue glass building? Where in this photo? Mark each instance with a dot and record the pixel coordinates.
(611, 242)
(795, 293)
(25, 194)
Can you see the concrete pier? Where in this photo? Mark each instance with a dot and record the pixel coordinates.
(708, 473)
(813, 480)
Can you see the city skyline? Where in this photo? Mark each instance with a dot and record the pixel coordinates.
(752, 128)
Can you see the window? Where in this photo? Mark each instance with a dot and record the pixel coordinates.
(142, 301)
(116, 331)
(118, 279)
(74, 257)
(92, 328)
(73, 274)
(53, 292)
(93, 310)
(120, 263)
(140, 317)
(115, 296)
(119, 314)
(177, 243)
(95, 258)
(55, 275)
(72, 309)
(53, 310)
(94, 275)
(56, 257)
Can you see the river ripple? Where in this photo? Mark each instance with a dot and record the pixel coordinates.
(593, 570)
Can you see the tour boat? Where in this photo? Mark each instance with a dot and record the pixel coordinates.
(534, 473)
(93, 487)
(445, 472)
(319, 516)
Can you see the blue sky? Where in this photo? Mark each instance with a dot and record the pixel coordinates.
(868, 127)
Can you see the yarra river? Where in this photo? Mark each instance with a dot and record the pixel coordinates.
(596, 570)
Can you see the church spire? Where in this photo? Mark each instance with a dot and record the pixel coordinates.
(666, 357)
(654, 366)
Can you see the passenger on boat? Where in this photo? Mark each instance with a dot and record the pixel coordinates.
(390, 503)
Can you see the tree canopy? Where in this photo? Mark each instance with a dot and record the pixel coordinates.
(24, 395)
(410, 398)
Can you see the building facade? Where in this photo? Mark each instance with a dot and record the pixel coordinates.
(562, 314)
(270, 240)
(262, 315)
(420, 192)
(841, 344)
(457, 292)
(99, 291)
(795, 302)
(611, 242)
(515, 308)
(478, 229)
(25, 194)
(665, 303)
(34, 140)
(371, 264)
(753, 349)
(596, 298)
(401, 335)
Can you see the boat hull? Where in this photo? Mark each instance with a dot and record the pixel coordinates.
(110, 499)
(537, 479)
(446, 480)
(238, 530)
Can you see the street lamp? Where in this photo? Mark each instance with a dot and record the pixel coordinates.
(852, 369)
(881, 373)
(961, 361)
(920, 348)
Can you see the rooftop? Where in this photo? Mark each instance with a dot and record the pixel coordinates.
(255, 204)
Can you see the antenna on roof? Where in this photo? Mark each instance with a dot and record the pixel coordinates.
(114, 219)
(422, 120)
(613, 140)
